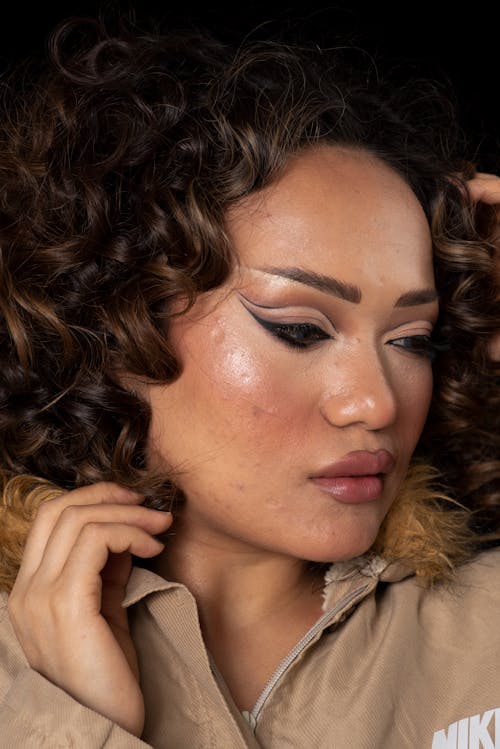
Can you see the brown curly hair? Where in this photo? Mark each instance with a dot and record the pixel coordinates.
(119, 161)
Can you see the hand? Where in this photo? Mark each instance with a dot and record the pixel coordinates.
(485, 188)
(65, 606)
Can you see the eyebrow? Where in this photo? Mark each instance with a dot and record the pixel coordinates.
(417, 296)
(346, 291)
(343, 290)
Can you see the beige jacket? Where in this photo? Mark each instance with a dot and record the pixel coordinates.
(390, 665)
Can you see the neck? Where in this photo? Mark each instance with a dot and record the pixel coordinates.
(235, 585)
(253, 606)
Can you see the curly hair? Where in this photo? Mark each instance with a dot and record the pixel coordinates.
(119, 161)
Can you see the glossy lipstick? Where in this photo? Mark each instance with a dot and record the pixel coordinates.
(356, 478)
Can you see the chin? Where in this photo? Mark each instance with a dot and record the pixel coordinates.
(341, 549)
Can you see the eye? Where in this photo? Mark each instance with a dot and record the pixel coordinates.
(299, 335)
(421, 345)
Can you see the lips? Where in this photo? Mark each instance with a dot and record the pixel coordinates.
(359, 463)
(356, 478)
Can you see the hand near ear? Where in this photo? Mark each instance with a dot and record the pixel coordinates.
(66, 604)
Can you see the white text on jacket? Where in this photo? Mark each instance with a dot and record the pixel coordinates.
(475, 732)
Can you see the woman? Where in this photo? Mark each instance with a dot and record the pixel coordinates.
(227, 278)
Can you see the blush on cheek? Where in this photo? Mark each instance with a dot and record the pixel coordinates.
(239, 370)
(242, 377)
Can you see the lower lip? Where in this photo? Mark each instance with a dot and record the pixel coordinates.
(352, 489)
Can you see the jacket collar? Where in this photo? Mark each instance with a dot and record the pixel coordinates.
(361, 573)
(362, 570)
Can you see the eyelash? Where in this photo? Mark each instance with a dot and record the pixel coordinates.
(421, 345)
(301, 336)
(298, 335)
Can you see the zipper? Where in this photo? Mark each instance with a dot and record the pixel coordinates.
(253, 716)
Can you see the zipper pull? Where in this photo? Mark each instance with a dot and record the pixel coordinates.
(250, 720)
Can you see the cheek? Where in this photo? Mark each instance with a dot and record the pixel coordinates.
(415, 398)
(246, 378)
(238, 372)
(259, 402)
(231, 396)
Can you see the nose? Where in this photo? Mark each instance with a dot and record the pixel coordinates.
(362, 395)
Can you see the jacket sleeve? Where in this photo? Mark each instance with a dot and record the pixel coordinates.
(35, 714)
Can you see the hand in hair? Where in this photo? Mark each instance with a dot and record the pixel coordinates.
(485, 188)
(70, 589)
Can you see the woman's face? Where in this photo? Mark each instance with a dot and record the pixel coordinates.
(307, 377)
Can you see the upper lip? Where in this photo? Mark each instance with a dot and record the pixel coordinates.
(359, 463)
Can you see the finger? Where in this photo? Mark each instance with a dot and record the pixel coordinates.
(484, 188)
(88, 557)
(486, 176)
(75, 596)
(49, 512)
(74, 518)
(494, 348)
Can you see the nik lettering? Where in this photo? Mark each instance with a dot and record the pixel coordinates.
(477, 732)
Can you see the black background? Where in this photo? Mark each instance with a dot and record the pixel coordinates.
(457, 46)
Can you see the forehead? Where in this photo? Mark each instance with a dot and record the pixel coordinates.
(338, 211)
